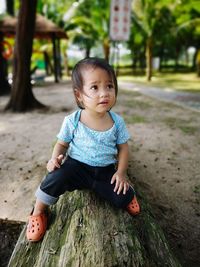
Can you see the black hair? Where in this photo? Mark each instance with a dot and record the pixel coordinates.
(77, 78)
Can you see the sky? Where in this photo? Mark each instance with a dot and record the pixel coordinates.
(2, 6)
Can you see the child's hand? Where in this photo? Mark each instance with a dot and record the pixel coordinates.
(120, 183)
(54, 163)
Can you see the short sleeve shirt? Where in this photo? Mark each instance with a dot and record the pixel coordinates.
(95, 148)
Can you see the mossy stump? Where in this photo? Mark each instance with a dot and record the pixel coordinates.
(85, 231)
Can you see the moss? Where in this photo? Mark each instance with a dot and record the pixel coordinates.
(134, 119)
(196, 189)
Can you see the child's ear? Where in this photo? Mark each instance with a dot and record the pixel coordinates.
(78, 94)
(79, 99)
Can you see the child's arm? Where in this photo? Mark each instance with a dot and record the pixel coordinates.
(120, 176)
(58, 154)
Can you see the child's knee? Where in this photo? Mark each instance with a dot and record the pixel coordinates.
(119, 203)
(121, 200)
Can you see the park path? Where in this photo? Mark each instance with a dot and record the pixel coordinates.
(188, 100)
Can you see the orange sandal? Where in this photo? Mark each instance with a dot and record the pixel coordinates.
(133, 207)
(36, 227)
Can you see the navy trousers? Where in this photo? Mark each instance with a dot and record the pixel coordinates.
(75, 175)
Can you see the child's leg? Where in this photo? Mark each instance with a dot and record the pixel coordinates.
(39, 207)
(105, 189)
(127, 201)
(68, 178)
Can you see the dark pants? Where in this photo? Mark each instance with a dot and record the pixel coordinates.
(74, 175)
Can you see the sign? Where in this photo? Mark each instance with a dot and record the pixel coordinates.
(120, 18)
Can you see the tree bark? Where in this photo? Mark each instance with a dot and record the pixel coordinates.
(87, 51)
(106, 49)
(149, 58)
(66, 64)
(48, 65)
(85, 231)
(55, 59)
(198, 62)
(22, 97)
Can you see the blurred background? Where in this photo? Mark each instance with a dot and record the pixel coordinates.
(162, 41)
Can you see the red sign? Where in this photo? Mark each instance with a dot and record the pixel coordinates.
(120, 17)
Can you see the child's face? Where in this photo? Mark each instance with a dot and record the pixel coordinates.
(98, 92)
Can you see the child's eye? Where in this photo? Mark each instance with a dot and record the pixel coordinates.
(110, 86)
(94, 87)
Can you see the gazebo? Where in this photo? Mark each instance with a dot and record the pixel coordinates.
(44, 29)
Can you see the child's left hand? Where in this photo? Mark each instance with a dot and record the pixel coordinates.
(120, 183)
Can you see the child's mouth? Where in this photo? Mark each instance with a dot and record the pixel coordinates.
(103, 103)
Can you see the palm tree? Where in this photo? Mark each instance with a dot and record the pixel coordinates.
(81, 32)
(90, 25)
(146, 14)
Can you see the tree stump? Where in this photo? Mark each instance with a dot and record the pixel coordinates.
(85, 231)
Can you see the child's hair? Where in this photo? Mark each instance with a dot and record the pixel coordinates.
(77, 77)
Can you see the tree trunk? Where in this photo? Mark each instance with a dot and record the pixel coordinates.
(149, 58)
(106, 49)
(48, 65)
(66, 63)
(177, 57)
(22, 97)
(87, 50)
(59, 58)
(55, 60)
(85, 231)
(198, 62)
(10, 7)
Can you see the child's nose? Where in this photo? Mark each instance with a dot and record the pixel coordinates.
(104, 92)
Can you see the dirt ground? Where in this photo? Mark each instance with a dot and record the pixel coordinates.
(164, 162)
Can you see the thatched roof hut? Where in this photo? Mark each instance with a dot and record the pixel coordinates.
(44, 28)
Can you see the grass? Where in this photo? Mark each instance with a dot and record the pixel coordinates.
(189, 129)
(136, 104)
(181, 124)
(131, 100)
(134, 119)
(188, 82)
(128, 93)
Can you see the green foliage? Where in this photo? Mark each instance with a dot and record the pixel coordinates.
(146, 13)
(89, 25)
(172, 25)
(55, 10)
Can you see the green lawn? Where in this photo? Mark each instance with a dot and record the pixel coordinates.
(176, 81)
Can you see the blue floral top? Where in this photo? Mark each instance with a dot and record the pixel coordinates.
(95, 148)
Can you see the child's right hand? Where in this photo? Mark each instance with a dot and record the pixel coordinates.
(54, 163)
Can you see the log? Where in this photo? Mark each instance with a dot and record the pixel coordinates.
(85, 231)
